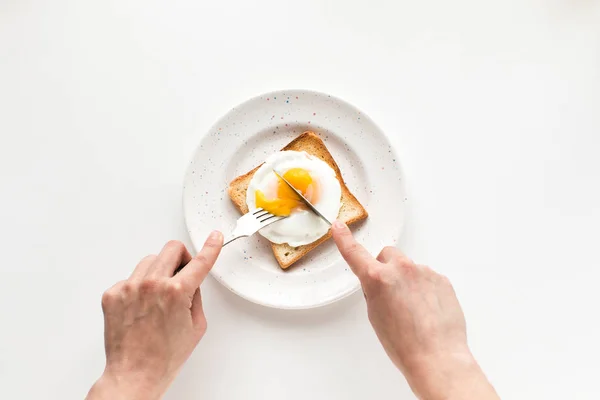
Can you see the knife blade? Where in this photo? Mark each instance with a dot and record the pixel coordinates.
(304, 199)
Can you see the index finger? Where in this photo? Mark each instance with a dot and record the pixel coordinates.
(194, 273)
(357, 257)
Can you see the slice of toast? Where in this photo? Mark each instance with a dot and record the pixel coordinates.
(351, 210)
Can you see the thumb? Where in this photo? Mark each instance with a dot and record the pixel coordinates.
(193, 274)
(357, 257)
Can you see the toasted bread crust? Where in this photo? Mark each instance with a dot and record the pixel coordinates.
(351, 211)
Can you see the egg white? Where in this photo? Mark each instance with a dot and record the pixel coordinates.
(302, 226)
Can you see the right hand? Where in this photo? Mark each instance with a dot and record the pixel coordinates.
(417, 318)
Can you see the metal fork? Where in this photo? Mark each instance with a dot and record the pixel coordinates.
(250, 223)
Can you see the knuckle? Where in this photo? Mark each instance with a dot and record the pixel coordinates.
(212, 243)
(127, 288)
(406, 266)
(175, 245)
(404, 261)
(389, 250)
(427, 269)
(374, 274)
(202, 259)
(148, 259)
(352, 248)
(345, 235)
(174, 289)
(111, 295)
(107, 299)
(149, 285)
(444, 280)
(387, 254)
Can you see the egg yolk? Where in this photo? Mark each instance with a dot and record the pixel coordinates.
(286, 199)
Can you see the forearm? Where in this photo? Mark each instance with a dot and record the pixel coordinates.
(455, 377)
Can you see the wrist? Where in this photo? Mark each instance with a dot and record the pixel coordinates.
(449, 376)
(114, 386)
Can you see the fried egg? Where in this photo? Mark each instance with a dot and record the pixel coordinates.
(310, 175)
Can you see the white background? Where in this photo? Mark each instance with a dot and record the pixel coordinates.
(494, 109)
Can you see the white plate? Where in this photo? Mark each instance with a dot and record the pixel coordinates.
(240, 141)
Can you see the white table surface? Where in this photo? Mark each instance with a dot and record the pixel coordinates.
(494, 109)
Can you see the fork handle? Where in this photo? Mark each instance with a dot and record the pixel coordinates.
(230, 239)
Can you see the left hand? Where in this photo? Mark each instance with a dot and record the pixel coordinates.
(153, 321)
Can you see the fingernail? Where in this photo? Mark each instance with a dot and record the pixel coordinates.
(337, 224)
(215, 235)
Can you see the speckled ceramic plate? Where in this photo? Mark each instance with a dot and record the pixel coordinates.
(240, 141)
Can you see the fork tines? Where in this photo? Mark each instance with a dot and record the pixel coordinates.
(263, 215)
